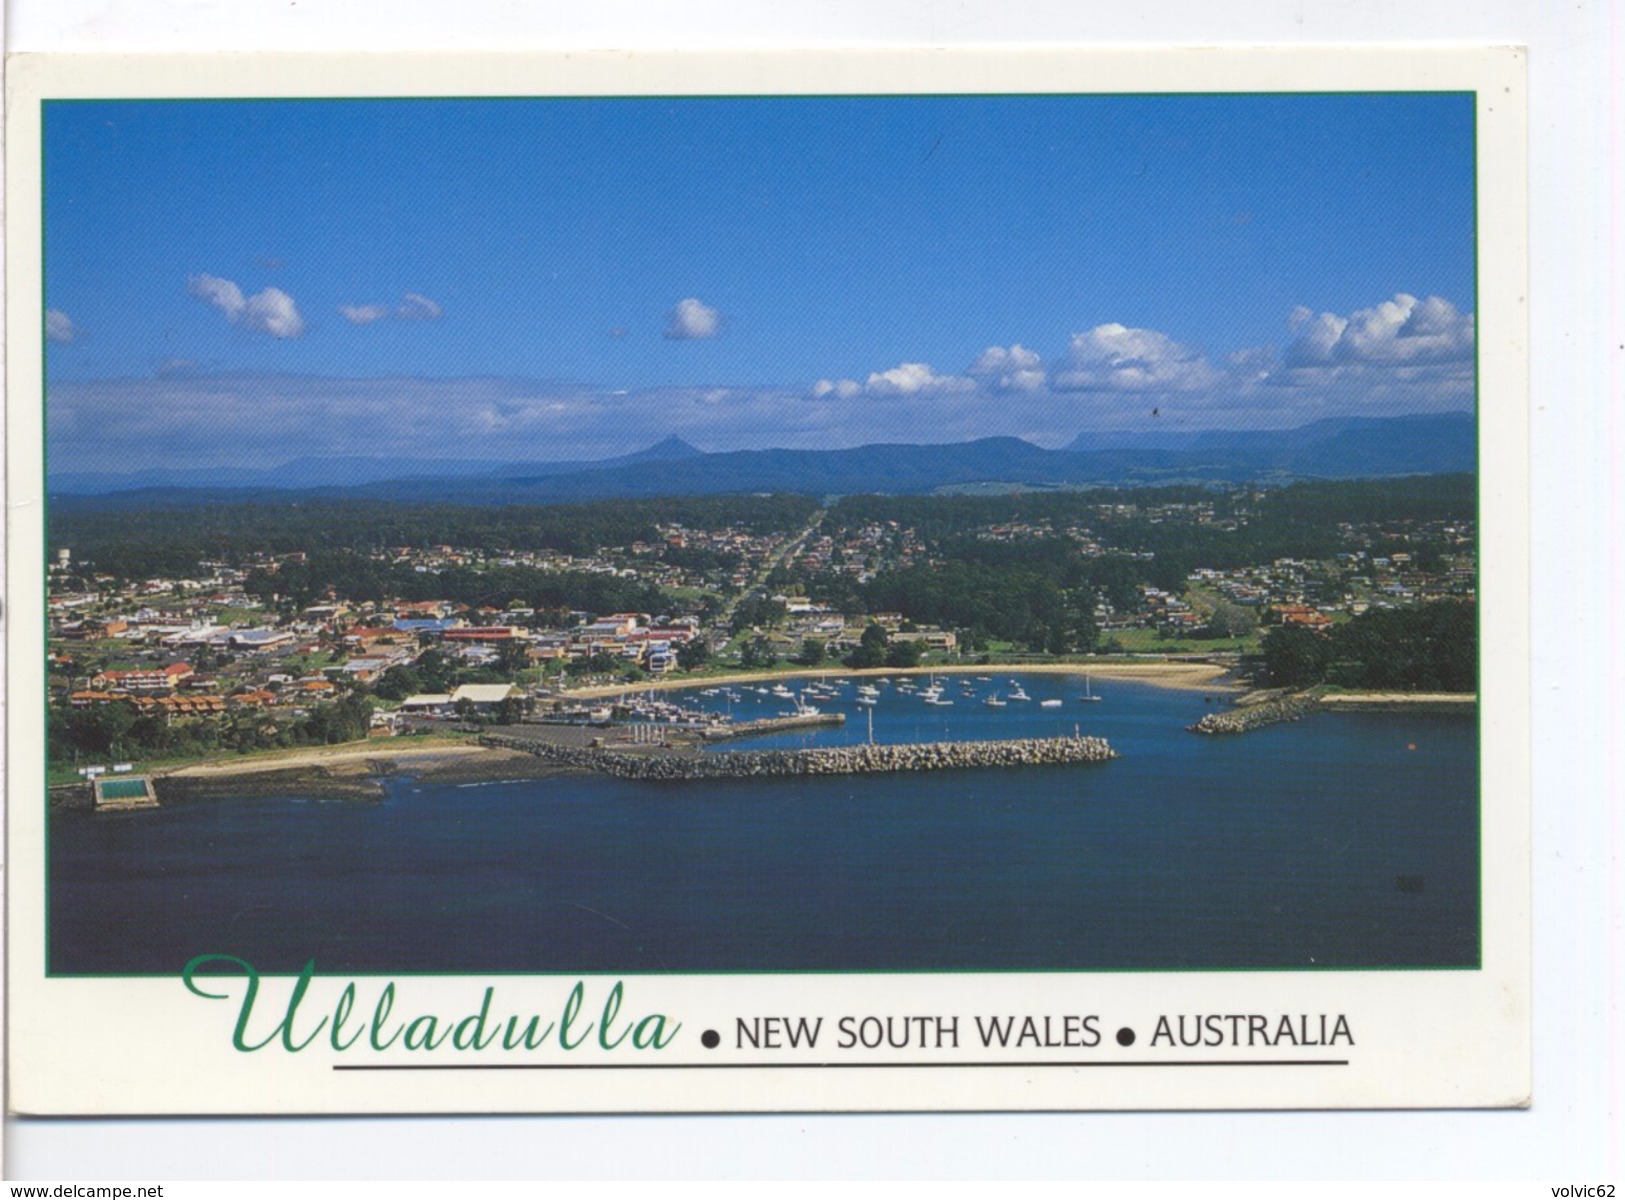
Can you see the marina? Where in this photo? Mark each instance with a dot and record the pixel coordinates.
(1170, 855)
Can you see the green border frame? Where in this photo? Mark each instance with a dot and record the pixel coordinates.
(1478, 539)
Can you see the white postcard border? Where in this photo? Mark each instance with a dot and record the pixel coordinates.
(1422, 1038)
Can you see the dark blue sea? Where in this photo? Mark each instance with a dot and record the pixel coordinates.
(1337, 841)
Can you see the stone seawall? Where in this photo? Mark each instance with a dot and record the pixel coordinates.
(834, 760)
(1240, 720)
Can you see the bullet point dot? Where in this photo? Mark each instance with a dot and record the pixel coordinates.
(1125, 1036)
(710, 1039)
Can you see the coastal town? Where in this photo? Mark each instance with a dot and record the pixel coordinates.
(268, 650)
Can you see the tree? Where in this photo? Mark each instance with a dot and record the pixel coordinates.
(757, 612)
(758, 655)
(513, 657)
(693, 654)
(904, 654)
(512, 709)
(100, 730)
(398, 683)
(871, 651)
(812, 652)
(1295, 657)
(1232, 620)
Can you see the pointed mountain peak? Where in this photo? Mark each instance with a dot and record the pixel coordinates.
(672, 447)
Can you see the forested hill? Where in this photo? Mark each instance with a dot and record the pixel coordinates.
(174, 541)
(1327, 450)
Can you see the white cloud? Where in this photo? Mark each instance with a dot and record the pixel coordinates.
(1317, 338)
(222, 293)
(1115, 358)
(271, 311)
(363, 314)
(58, 325)
(415, 307)
(843, 389)
(1017, 369)
(996, 359)
(175, 367)
(1403, 331)
(691, 320)
(912, 379)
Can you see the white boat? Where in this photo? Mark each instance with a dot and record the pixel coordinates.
(939, 701)
(1017, 693)
(783, 693)
(994, 701)
(1049, 704)
(868, 701)
(866, 690)
(1088, 696)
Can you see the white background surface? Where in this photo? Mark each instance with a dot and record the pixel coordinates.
(1574, 1131)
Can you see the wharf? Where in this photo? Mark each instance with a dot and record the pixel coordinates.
(744, 729)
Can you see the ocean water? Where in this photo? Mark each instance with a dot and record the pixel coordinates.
(1338, 841)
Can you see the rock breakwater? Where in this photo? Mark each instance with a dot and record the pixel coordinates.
(834, 760)
(1270, 712)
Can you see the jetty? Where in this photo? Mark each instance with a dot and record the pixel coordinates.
(866, 759)
(766, 725)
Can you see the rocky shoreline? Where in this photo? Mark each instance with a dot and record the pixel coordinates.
(1269, 712)
(1257, 709)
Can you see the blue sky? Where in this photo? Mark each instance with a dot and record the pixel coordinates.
(572, 278)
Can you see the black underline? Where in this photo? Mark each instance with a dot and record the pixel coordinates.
(836, 1066)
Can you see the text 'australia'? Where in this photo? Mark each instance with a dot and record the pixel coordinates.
(1253, 1029)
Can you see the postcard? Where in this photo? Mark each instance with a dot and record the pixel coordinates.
(795, 582)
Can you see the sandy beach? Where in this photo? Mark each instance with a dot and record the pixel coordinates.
(350, 771)
(347, 759)
(1187, 676)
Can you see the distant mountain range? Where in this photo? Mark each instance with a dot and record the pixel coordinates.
(1330, 449)
(325, 472)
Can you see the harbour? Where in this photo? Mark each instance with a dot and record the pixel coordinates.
(1322, 843)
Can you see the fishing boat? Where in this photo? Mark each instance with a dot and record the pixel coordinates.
(1017, 692)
